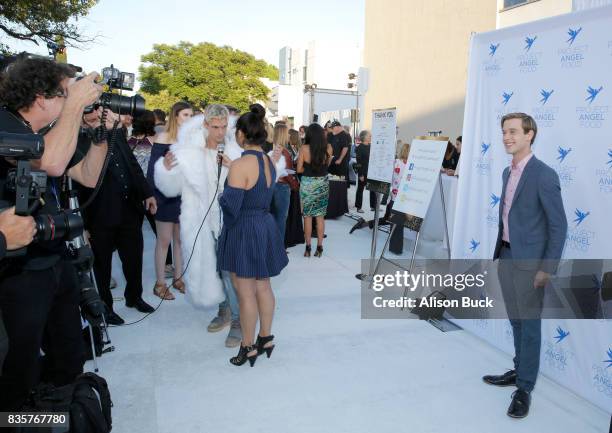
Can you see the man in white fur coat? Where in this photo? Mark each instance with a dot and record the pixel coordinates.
(190, 170)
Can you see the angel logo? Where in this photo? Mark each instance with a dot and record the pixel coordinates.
(609, 360)
(563, 153)
(474, 245)
(493, 49)
(610, 156)
(494, 200)
(545, 95)
(483, 161)
(561, 334)
(572, 35)
(493, 213)
(557, 356)
(580, 216)
(506, 97)
(593, 94)
(529, 41)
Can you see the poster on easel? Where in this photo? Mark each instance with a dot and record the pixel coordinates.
(419, 178)
(382, 152)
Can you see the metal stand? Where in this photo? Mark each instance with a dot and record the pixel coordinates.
(368, 276)
(444, 214)
(93, 347)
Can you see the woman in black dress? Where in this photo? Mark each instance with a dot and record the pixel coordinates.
(169, 209)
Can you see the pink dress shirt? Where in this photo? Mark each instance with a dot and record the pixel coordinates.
(516, 171)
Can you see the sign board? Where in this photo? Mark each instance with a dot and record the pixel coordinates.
(382, 152)
(420, 176)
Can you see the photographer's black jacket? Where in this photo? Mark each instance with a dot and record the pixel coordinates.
(2, 246)
(40, 255)
(124, 184)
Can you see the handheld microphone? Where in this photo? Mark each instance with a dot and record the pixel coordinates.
(220, 149)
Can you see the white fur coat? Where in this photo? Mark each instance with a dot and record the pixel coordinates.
(191, 178)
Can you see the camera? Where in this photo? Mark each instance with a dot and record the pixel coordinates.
(119, 104)
(29, 185)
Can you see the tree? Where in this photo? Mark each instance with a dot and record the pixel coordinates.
(204, 74)
(43, 20)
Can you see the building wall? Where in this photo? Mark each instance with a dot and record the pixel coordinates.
(416, 53)
(531, 11)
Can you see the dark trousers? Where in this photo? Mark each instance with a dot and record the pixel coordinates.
(524, 306)
(359, 196)
(40, 311)
(151, 220)
(127, 239)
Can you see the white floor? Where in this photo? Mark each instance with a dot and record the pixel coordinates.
(331, 371)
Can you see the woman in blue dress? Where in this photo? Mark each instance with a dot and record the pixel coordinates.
(250, 245)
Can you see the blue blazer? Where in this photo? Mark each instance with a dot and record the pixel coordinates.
(537, 221)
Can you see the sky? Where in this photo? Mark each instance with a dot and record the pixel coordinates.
(128, 29)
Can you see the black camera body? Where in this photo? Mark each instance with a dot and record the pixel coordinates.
(28, 187)
(117, 103)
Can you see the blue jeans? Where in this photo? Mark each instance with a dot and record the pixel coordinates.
(279, 208)
(231, 299)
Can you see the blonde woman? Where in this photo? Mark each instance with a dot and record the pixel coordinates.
(279, 207)
(169, 208)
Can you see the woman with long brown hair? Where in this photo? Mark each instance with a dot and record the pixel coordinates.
(169, 208)
(313, 162)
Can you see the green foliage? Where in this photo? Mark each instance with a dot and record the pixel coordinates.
(204, 74)
(43, 20)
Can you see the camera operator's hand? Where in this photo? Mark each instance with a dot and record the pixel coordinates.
(84, 92)
(151, 205)
(169, 160)
(94, 119)
(18, 230)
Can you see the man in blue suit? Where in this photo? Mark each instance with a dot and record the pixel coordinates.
(532, 231)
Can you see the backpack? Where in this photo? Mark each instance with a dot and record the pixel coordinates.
(87, 400)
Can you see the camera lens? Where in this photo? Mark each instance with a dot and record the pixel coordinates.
(133, 105)
(64, 226)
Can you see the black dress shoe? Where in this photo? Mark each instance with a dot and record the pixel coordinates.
(113, 318)
(140, 305)
(519, 408)
(506, 379)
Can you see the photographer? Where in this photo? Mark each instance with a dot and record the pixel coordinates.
(114, 221)
(39, 293)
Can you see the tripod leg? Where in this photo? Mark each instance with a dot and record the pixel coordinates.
(93, 347)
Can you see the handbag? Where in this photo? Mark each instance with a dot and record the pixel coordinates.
(293, 182)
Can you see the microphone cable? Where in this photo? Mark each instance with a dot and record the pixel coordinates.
(212, 202)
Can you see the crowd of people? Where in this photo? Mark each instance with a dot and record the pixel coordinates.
(224, 193)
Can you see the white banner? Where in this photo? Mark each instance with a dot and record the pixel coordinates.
(382, 152)
(559, 71)
(419, 179)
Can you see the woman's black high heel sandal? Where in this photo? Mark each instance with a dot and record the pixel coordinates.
(319, 251)
(261, 342)
(243, 357)
(307, 251)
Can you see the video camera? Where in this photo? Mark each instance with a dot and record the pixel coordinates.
(30, 185)
(117, 103)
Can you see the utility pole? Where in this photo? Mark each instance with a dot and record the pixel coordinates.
(353, 81)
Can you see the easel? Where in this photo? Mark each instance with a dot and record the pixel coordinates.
(411, 222)
(379, 189)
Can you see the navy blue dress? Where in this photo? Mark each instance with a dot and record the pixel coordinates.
(168, 208)
(250, 244)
